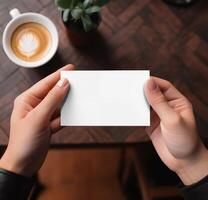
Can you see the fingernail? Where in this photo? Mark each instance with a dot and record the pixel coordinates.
(62, 82)
(152, 85)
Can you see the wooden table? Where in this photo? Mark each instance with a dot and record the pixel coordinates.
(135, 34)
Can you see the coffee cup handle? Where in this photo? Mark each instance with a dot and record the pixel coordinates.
(14, 13)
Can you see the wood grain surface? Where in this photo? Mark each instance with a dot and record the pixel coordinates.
(134, 34)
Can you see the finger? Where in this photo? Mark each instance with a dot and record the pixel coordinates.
(158, 101)
(175, 98)
(41, 89)
(55, 125)
(53, 100)
(168, 89)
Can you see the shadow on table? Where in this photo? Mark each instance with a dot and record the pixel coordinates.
(98, 55)
(54, 64)
(32, 75)
(99, 51)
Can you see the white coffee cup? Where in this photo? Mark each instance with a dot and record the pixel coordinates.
(19, 19)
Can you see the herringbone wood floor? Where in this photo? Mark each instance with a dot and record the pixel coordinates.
(134, 34)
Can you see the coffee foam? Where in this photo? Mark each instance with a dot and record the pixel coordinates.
(31, 41)
(28, 44)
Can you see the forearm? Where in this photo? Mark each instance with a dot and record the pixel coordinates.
(14, 186)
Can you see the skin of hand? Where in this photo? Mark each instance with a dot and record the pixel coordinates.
(35, 117)
(173, 131)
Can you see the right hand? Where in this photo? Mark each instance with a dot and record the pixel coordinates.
(173, 131)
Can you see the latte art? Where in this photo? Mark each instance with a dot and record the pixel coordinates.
(28, 44)
(31, 41)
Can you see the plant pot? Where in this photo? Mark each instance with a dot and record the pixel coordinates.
(76, 32)
(180, 2)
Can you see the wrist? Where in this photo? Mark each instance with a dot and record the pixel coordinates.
(195, 168)
(10, 165)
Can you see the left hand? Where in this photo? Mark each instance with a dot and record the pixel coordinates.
(34, 119)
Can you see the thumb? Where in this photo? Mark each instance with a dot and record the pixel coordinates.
(158, 101)
(53, 99)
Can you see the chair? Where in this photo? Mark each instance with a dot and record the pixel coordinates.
(154, 179)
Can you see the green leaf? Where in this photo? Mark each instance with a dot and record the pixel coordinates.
(87, 23)
(73, 3)
(64, 4)
(92, 9)
(87, 3)
(66, 15)
(77, 13)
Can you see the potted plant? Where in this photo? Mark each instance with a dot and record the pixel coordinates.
(180, 2)
(81, 18)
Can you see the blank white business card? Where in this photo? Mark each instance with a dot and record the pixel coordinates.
(106, 98)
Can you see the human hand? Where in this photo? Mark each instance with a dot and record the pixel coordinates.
(173, 131)
(34, 119)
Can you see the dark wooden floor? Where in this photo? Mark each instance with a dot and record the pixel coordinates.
(134, 34)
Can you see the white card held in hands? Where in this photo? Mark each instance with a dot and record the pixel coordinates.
(106, 98)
